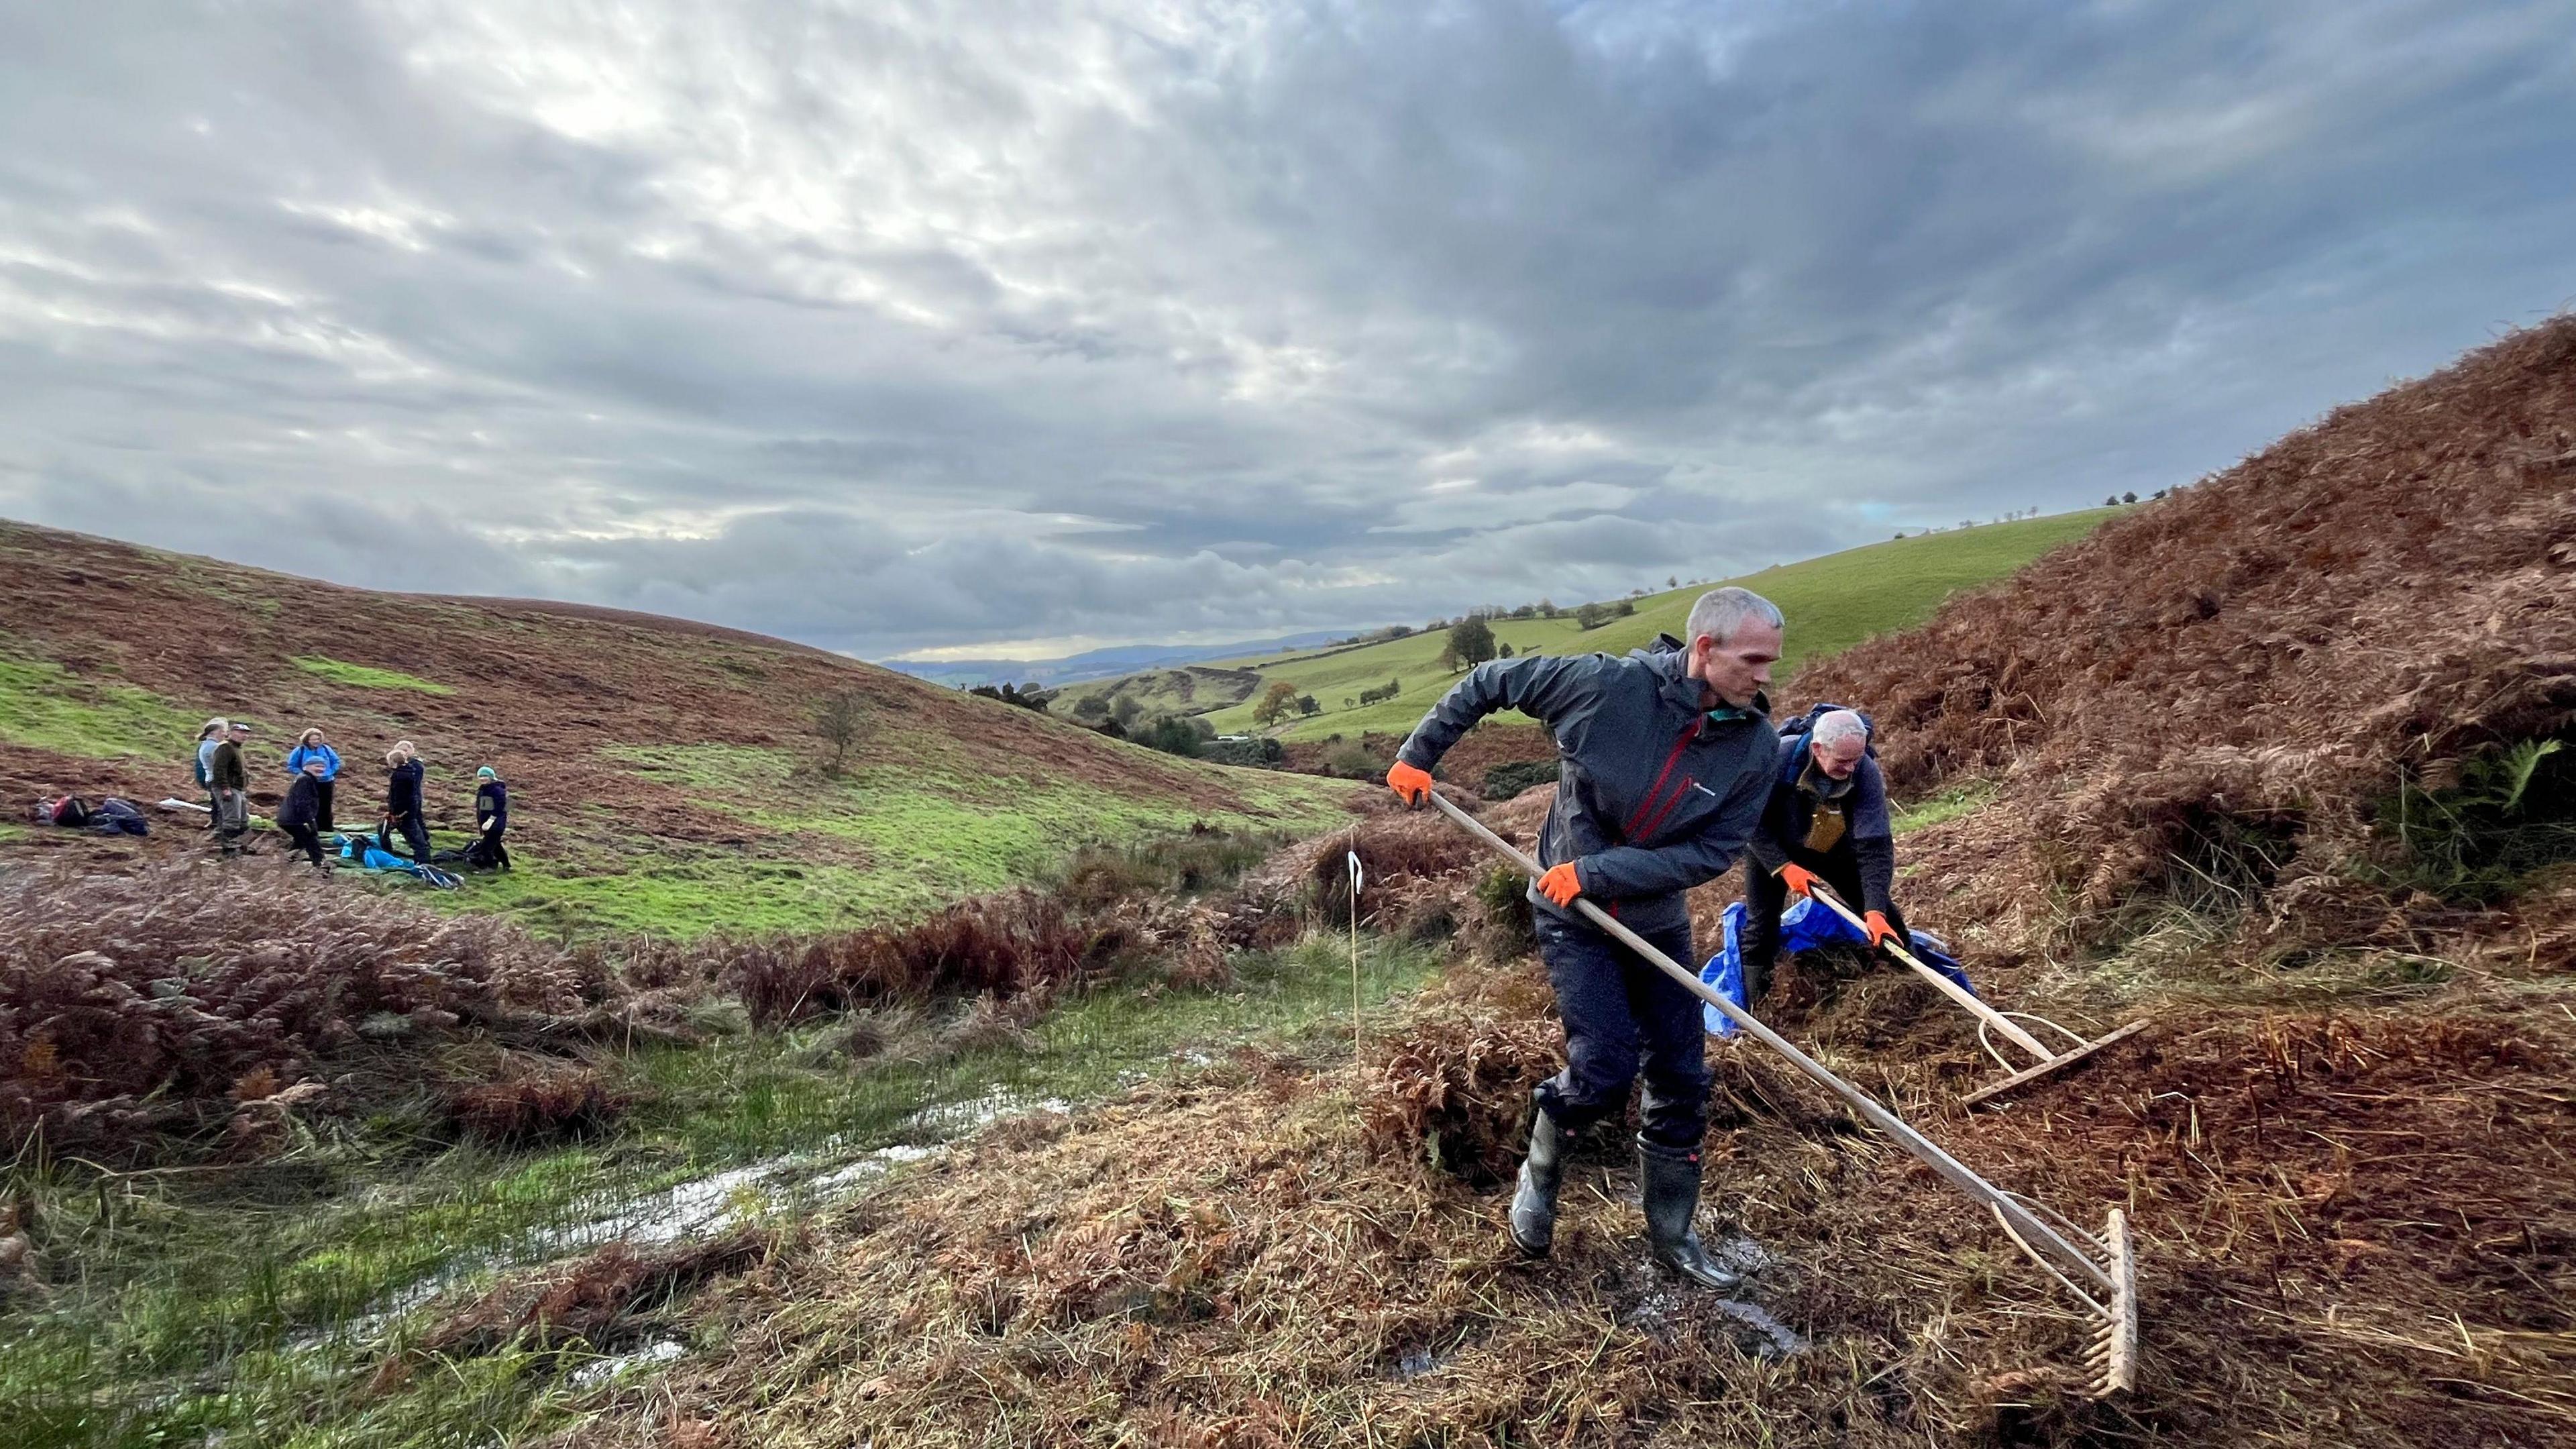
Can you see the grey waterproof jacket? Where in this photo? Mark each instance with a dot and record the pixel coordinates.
(1654, 794)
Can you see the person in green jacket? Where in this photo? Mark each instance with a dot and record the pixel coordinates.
(228, 778)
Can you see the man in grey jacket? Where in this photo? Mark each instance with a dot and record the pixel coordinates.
(1665, 761)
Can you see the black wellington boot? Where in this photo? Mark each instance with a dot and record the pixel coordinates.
(1668, 1184)
(1533, 1217)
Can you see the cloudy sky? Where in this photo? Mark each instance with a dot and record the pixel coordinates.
(988, 325)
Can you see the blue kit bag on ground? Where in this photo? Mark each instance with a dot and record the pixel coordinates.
(1804, 926)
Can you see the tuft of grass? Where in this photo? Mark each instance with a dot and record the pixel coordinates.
(365, 676)
(2511, 813)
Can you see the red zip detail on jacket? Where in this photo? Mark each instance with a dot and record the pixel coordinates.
(1679, 745)
(1680, 792)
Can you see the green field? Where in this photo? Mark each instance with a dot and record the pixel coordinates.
(1832, 602)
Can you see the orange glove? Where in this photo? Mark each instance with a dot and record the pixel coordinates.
(1561, 884)
(1880, 932)
(1798, 879)
(1410, 785)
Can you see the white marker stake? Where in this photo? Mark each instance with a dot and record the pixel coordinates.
(1356, 876)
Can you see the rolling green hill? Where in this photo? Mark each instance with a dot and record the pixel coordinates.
(665, 776)
(1832, 602)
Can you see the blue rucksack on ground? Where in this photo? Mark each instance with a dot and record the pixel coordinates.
(368, 854)
(1804, 926)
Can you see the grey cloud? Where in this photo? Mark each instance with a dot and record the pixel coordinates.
(917, 324)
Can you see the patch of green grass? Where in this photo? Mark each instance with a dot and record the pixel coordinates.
(1949, 804)
(1832, 602)
(365, 676)
(879, 844)
(45, 707)
(687, 891)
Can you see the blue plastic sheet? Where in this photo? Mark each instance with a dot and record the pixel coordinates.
(1804, 926)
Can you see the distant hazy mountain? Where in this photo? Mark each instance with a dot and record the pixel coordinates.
(1098, 663)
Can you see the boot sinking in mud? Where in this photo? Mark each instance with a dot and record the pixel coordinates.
(1533, 1215)
(1668, 1185)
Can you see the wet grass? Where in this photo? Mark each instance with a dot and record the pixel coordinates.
(181, 1305)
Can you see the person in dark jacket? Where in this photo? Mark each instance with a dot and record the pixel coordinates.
(1827, 820)
(491, 819)
(228, 778)
(403, 816)
(310, 745)
(1664, 762)
(300, 815)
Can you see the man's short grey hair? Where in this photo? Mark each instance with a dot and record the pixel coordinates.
(1720, 612)
(1836, 726)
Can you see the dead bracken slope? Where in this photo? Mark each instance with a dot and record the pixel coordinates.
(2238, 673)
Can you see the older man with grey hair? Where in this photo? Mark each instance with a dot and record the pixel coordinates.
(1827, 820)
(1664, 762)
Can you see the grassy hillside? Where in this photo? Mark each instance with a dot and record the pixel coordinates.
(1832, 602)
(664, 775)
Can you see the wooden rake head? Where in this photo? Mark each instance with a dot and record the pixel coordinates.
(2112, 1357)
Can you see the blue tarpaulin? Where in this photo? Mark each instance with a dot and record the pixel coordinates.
(1804, 926)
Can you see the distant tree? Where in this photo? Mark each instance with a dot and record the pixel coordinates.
(1448, 660)
(1672, 581)
(2161, 492)
(1126, 710)
(1472, 640)
(2129, 497)
(1307, 706)
(1349, 703)
(1503, 650)
(1276, 701)
(1170, 734)
(1591, 616)
(2111, 502)
(1091, 706)
(1547, 609)
(1625, 608)
(839, 719)
(1398, 631)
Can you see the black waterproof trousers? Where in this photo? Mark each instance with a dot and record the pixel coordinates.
(307, 839)
(415, 833)
(1618, 1009)
(1765, 898)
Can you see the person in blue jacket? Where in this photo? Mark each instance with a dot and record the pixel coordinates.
(402, 800)
(1664, 762)
(1827, 820)
(311, 746)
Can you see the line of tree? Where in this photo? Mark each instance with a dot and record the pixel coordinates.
(1026, 696)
